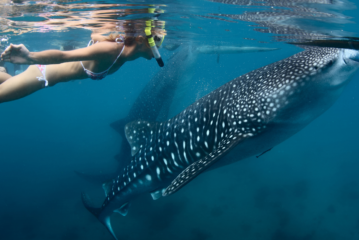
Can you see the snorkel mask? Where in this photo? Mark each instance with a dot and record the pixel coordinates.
(155, 43)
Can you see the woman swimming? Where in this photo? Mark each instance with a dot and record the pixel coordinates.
(105, 56)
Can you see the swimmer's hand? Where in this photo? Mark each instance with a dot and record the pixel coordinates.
(18, 54)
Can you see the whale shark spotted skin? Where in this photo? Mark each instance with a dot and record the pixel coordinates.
(153, 103)
(155, 99)
(242, 118)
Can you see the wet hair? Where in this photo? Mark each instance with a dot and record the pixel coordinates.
(131, 37)
(128, 40)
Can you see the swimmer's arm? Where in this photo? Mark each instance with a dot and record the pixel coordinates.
(101, 50)
(21, 55)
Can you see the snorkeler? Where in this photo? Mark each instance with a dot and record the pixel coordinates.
(103, 56)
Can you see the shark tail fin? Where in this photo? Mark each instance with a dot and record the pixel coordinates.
(96, 212)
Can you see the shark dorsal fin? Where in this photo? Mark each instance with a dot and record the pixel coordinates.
(123, 210)
(138, 133)
(199, 166)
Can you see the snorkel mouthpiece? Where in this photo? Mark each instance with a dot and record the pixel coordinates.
(155, 52)
(152, 44)
(160, 62)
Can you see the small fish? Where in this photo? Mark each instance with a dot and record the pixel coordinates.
(263, 152)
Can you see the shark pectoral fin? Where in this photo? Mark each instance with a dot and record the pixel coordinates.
(138, 133)
(107, 186)
(157, 194)
(198, 167)
(124, 209)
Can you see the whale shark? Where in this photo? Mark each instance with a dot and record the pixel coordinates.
(154, 101)
(245, 117)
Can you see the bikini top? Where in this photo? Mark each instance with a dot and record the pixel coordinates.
(100, 75)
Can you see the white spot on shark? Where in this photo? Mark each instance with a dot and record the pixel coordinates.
(158, 171)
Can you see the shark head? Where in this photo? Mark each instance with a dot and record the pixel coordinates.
(352, 55)
(342, 67)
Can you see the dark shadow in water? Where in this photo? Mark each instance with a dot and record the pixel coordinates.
(266, 197)
(283, 216)
(282, 235)
(216, 211)
(71, 233)
(300, 189)
(331, 209)
(22, 220)
(245, 229)
(157, 215)
(261, 196)
(7, 226)
(349, 191)
(199, 234)
(30, 226)
(165, 216)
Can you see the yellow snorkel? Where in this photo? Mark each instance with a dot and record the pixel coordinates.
(154, 44)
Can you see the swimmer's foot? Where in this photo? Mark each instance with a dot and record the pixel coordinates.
(3, 75)
(2, 69)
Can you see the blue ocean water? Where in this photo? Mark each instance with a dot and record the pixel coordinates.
(305, 188)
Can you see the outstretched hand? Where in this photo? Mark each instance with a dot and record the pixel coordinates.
(16, 54)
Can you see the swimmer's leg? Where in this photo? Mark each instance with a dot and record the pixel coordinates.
(21, 85)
